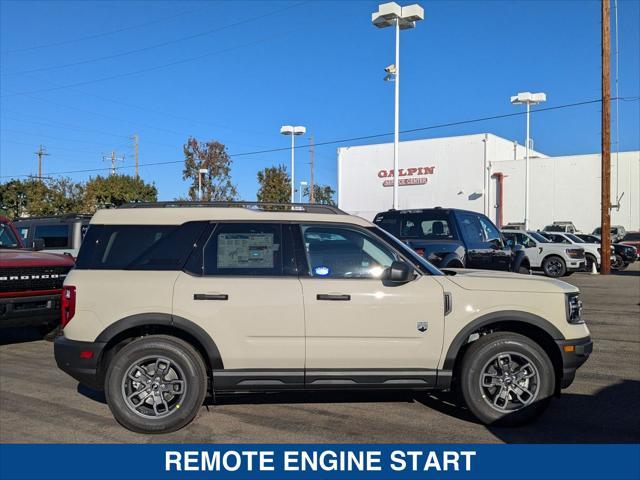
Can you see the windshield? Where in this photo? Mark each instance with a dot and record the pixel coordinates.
(574, 238)
(7, 237)
(539, 238)
(421, 262)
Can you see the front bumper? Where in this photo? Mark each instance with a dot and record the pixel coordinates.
(574, 354)
(73, 358)
(31, 310)
(576, 265)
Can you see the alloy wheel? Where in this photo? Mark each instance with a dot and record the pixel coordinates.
(509, 381)
(154, 387)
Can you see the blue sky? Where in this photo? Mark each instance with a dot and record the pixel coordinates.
(82, 77)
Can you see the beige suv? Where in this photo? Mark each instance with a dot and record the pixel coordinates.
(169, 303)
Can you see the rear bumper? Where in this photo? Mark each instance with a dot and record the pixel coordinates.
(574, 354)
(84, 370)
(29, 310)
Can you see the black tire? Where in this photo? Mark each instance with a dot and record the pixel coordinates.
(590, 260)
(173, 410)
(554, 266)
(478, 358)
(619, 264)
(524, 269)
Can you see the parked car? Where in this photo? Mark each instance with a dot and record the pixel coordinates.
(632, 238)
(625, 255)
(30, 282)
(61, 234)
(554, 259)
(617, 232)
(561, 227)
(168, 305)
(591, 251)
(453, 238)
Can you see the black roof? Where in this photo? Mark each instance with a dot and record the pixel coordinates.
(422, 210)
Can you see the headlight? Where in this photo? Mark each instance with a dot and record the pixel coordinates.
(574, 308)
(575, 252)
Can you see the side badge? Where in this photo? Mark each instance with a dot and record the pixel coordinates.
(422, 326)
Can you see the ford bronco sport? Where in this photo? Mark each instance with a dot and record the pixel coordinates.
(30, 283)
(171, 302)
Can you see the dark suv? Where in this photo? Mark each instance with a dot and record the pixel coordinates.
(58, 234)
(449, 237)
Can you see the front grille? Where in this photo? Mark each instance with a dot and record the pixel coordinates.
(20, 279)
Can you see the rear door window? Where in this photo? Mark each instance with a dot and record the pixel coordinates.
(54, 236)
(248, 249)
(138, 247)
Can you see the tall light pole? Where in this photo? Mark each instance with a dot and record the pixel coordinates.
(302, 185)
(202, 171)
(293, 131)
(528, 99)
(402, 18)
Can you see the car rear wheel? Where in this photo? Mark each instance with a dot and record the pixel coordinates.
(156, 384)
(619, 264)
(506, 379)
(554, 266)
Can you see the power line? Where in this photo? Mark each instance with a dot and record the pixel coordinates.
(101, 34)
(151, 47)
(352, 139)
(156, 67)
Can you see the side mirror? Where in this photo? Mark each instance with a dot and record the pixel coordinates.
(38, 244)
(399, 272)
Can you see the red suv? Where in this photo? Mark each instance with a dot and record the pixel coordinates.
(30, 282)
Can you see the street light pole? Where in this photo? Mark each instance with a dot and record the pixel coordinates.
(528, 99)
(293, 131)
(396, 131)
(293, 168)
(401, 18)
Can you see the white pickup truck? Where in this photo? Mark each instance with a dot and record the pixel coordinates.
(554, 259)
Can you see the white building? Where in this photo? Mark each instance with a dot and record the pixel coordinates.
(467, 172)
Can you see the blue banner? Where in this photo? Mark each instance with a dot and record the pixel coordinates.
(401, 461)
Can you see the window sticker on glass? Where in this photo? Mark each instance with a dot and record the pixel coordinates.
(246, 250)
(321, 271)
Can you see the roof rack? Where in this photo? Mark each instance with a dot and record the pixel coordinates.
(62, 216)
(267, 206)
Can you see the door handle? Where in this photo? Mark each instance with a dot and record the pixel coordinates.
(210, 296)
(334, 297)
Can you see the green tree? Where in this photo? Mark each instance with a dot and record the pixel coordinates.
(20, 198)
(212, 155)
(275, 185)
(323, 194)
(116, 190)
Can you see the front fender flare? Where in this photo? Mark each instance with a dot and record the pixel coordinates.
(505, 316)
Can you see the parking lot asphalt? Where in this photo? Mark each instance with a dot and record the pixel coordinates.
(39, 403)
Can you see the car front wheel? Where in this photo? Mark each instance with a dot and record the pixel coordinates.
(554, 266)
(506, 379)
(156, 384)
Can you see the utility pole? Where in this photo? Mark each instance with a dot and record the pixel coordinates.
(113, 159)
(42, 152)
(312, 188)
(136, 152)
(605, 207)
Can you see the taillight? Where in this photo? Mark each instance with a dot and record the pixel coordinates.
(67, 304)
